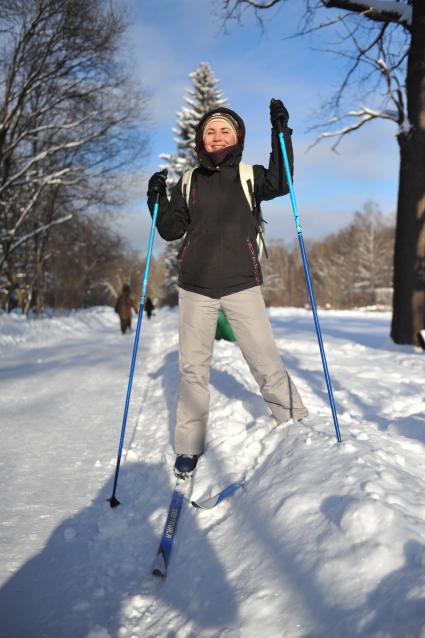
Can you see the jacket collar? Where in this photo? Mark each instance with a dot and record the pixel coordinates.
(230, 156)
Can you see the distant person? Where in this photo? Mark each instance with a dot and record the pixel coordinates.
(219, 268)
(149, 307)
(125, 304)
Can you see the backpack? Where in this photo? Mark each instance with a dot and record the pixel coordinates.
(246, 174)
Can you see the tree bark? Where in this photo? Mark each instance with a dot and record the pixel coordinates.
(39, 277)
(373, 13)
(409, 256)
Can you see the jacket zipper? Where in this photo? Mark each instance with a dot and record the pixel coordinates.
(181, 260)
(254, 261)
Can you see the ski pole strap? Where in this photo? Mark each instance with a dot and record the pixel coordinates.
(289, 180)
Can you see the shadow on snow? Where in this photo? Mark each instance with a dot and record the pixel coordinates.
(99, 558)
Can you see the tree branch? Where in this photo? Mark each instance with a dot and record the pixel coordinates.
(24, 238)
(377, 10)
(364, 115)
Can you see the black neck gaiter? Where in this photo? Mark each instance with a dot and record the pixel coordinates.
(218, 157)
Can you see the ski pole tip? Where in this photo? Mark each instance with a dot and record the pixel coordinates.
(113, 501)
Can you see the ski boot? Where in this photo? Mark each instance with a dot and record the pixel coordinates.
(184, 465)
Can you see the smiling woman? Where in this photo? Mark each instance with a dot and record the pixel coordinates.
(220, 131)
(219, 269)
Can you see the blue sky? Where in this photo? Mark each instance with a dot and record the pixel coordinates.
(168, 39)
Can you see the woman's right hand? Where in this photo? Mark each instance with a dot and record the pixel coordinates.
(158, 183)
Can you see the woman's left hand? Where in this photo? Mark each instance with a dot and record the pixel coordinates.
(279, 115)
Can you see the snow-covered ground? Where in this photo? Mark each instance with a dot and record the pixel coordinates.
(325, 540)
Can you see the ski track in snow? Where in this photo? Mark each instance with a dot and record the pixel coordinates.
(324, 540)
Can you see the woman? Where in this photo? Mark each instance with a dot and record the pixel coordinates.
(220, 269)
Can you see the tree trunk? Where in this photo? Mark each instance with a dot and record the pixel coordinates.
(409, 256)
(40, 282)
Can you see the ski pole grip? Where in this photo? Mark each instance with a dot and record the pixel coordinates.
(279, 127)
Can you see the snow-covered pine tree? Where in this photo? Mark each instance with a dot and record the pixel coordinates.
(201, 97)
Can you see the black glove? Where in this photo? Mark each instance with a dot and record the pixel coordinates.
(279, 115)
(158, 183)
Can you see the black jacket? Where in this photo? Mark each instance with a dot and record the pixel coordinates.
(219, 255)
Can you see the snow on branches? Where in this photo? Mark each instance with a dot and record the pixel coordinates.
(201, 97)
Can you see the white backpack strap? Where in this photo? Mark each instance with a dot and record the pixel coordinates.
(186, 182)
(246, 173)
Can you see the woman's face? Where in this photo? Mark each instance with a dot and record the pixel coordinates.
(218, 135)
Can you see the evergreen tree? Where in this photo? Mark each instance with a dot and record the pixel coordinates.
(201, 98)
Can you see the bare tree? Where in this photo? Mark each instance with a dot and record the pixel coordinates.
(384, 44)
(372, 240)
(69, 119)
(283, 276)
(354, 266)
(332, 270)
(81, 257)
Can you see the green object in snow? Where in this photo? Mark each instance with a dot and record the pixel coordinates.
(223, 330)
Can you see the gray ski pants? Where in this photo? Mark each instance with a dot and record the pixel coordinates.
(247, 314)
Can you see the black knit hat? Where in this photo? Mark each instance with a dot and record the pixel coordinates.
(230, 116)
(230, 121)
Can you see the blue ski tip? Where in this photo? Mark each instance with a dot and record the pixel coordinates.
(211, 502)
(160, 565)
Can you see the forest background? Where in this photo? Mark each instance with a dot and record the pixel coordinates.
(78, 132)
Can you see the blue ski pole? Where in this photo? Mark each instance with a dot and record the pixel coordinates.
(310, 286)
(113, 501)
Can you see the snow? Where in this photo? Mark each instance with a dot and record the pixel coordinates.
(403, 10)
(324, 540)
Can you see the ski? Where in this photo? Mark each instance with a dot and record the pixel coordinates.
(181, 489)
(211, 502)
